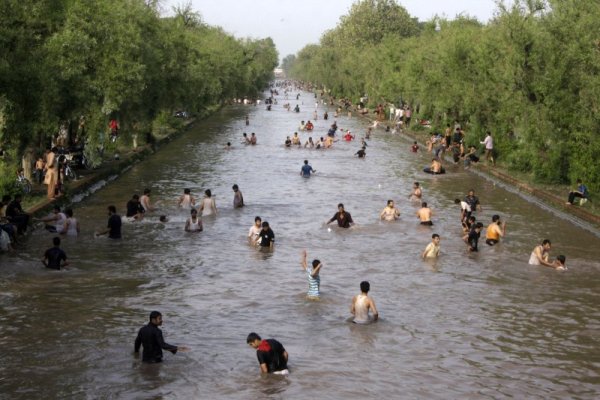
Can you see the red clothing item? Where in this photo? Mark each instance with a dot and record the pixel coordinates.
(264, 346)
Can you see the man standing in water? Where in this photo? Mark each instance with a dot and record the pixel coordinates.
(145, 201)
(362, 304)
(55, 258)
(312, 273)
(390, 212)
(306, 170)
(254, 232)
(151, 338)
(541, 254)
(494, 231)
(417, 192)
(433, 249)
(343, 218)
(238, 199)
(266, 237)
(114, 224)
(424, 214)
(473, 201)
(271, 354)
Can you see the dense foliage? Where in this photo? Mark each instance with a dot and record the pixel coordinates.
(530, 75)
(61, 60)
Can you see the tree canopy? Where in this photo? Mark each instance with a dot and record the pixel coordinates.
(530, 75)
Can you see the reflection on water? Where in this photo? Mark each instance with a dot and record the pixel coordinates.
(464, 326)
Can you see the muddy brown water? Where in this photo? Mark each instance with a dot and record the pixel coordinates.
(483, 325)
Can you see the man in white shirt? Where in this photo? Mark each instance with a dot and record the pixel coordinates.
(489, 147)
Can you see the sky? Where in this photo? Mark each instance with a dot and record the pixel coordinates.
(292, 24)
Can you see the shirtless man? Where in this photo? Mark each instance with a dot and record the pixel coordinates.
(252, 138)
(145, 201)
(254, 231)
(296, 139)
(424, 214)
(238, 198)
(390, 212)
(433, 249)
(362, 304)
(540, 255)
(186, 200)
(417, 193)
(494, 231)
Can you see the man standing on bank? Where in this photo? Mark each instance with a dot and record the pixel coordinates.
(271, 354)
(151, 338)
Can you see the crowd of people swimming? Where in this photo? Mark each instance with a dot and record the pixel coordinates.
(271, 354)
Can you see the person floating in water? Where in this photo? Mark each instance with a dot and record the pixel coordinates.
(150, 337)
(306, 170)
(312, 274)
(272, 356)
(362, 304)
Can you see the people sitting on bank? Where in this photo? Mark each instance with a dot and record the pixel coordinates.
(581, 193)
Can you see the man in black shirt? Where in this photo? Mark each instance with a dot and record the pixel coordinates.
(151, 338)
(16, 215)
(135, 209)
(343, 218)
(473, 201)
(361, 153)
(271, 354)
(114, 224)
(472, 238)
(266, 237)
(54, 257)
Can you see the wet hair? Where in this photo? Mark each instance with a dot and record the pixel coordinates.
(305, 161)
(265, 224)
(546, 241)
(112, 209)
(244, 134)
(186, 191)
(228, 143)
(316, 263)
(252, 337)
(472, 218)
(257, 218)
(56, 241)
(146, 191)
(235, 187)
(561, 258)
(495, 218)
(478, 225)
(154, 314)
(341, 205)
(207, 193)
(389, 202)
(193, 211)
(456, 201)
(417, 184)
(435, 235)
(424, 204)
(365, 286)
(69, 212)
(163, 218)
(136, 197)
